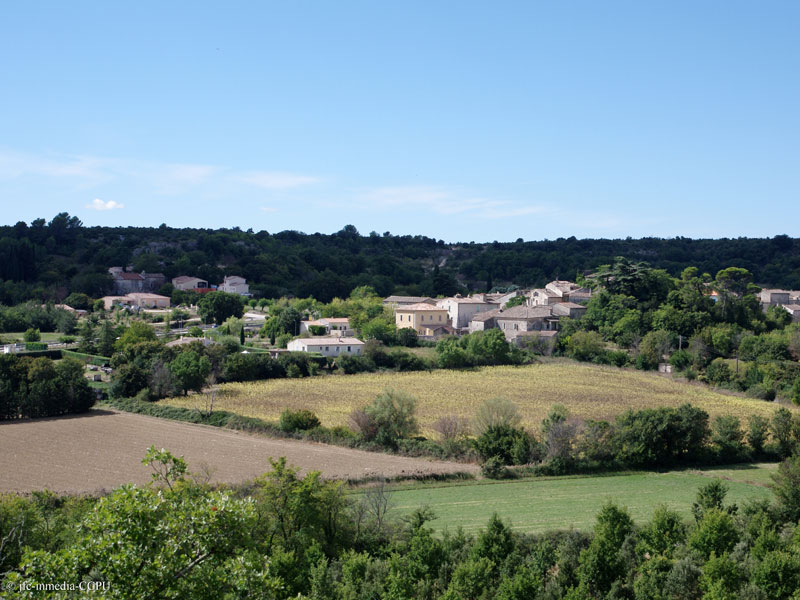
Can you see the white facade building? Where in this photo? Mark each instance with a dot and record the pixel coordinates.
(234, 284)
(327, 346)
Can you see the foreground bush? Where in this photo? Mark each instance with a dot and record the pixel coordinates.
(286, 537)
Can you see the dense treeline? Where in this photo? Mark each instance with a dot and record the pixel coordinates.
(644, 316)
(287, 536)
(41, 387)
(48, 260)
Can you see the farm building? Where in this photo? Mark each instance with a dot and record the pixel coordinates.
(327, 346)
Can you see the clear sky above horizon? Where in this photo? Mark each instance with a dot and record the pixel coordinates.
(457, 120)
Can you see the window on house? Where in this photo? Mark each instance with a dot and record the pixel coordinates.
(326, 348)
(349, 349)
(440, 317)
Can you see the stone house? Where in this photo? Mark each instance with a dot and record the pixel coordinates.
(418, 315)
(557, 291)
(184, 282)
(407, 300)
(773, 297)
(461, 310)
(125, 282)
(794, 310)
(519, 319)
(569, 309)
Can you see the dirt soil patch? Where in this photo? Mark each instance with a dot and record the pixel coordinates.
(102, 450)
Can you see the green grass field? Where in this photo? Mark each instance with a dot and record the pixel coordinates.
(536, 505)
(19, 336)
(589, 391)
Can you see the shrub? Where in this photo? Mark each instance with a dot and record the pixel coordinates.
(351, 365)
(716, 533)
(363, 424)
(680, 360)
(727, 436)
(451, 427)
(393, 415)
(662, 435)
(32, 335)
(494, 468)
(585, 345)
(496, 412)
(718, 372)
(757, 431)
(299, 420)
(407, 336)
(509, 444)
(618, 358)
(786, 487)
(761, 391)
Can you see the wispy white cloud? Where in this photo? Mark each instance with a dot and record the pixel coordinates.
(268, 209)
(84, 170)
(174, 179)
(98, 204)
(164, 178)
(445, 201)
(275, 180)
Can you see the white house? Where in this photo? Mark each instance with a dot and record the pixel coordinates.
(327, 346)
(184, 282)
(234, 284)
(338, 326)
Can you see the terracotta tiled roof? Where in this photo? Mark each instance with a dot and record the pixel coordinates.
(128, 276)
(419, 306)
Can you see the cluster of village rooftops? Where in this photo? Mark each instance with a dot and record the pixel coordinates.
(137, 289)
(537, 315)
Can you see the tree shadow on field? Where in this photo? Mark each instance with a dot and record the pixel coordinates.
(95, 412)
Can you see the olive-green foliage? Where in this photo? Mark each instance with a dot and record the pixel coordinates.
(218, 306)
(290, 536)
(393, 415)
(716, 533)
(661, 436)
(786, 486)
(757, 432)
(477, 349)
(511, 445)
(41, 387)
(191, 370)
(602, 563)
(137, 332)
(496, 412)
(298, 420)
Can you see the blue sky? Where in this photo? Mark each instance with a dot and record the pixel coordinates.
(457, 120)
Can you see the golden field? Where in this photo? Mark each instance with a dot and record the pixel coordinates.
(589, 391)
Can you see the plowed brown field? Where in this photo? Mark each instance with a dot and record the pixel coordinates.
(102, 450)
